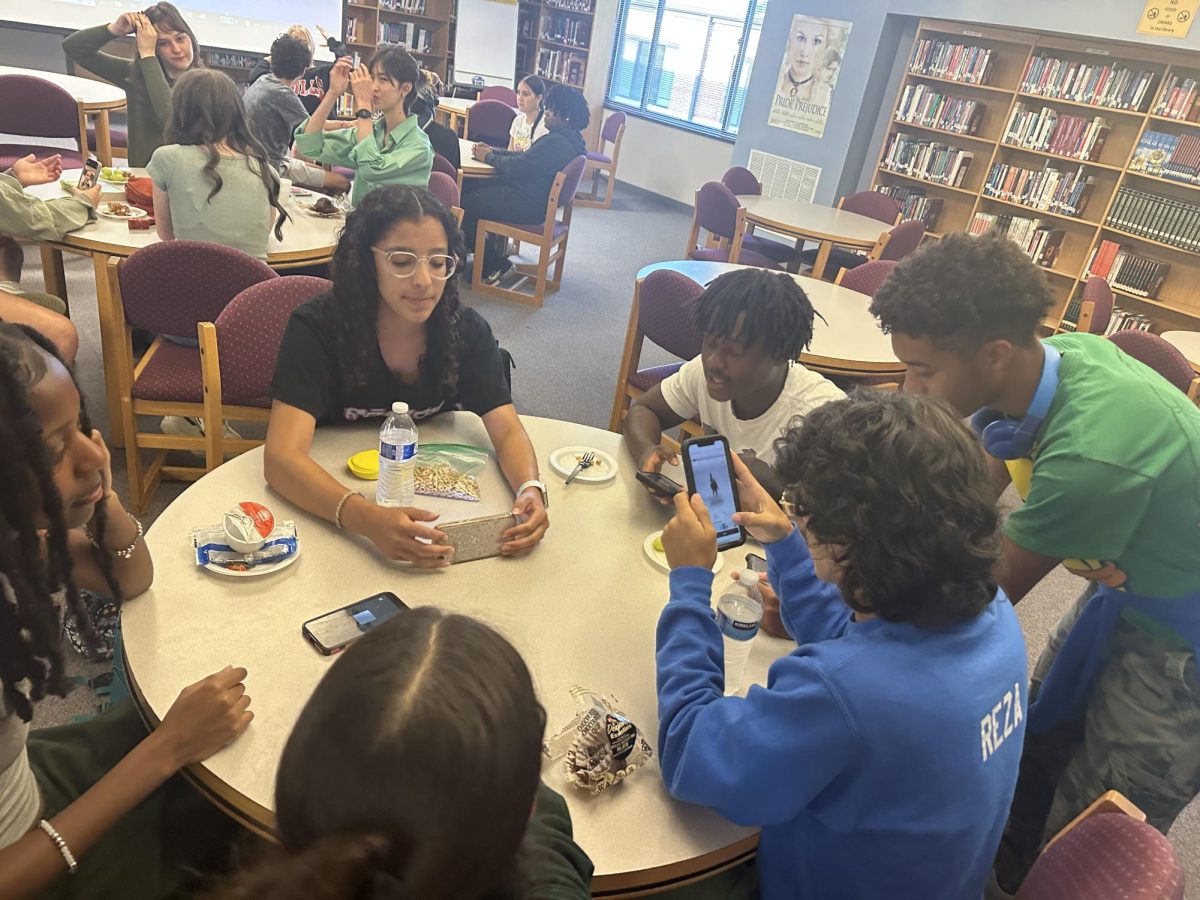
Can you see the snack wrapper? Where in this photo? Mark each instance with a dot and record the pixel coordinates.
(600, 744)
(212, 547)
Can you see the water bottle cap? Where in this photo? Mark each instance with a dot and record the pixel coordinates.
(399, 407)
(748, 579)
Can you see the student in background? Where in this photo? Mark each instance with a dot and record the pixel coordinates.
(273, 111)
(521, 187)
(312, 84)
(165, 49)
(424, 108)
(105, 787)
(530, 122)
(880, 759)
(1103, 451)
(396, 773)
(23, 217)
(212, 181)
(389, 150)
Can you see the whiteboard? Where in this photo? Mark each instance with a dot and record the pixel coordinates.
(485, 44)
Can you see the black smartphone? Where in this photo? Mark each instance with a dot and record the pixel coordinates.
(90, 174)
(660, 485)
(709, 469)
(335, 631)
(756, 563)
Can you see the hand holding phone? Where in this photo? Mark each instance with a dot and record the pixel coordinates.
(708, 466)
(477, 538)
(659, 485)
(90, 174)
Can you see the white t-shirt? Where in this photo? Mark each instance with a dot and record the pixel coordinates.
(520, 132)
(803, 391)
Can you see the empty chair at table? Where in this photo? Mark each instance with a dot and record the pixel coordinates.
(500, 94)
(741, 180)
(874, 205)
(38, 110)
(1161, 356)
(489, 121)
(716, 212)
(603, 161)
(1095, 310)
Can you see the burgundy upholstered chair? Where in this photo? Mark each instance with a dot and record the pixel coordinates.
(169, 288)
(874, 204)
(664, 303)
(489, 121)
(33, 107)
(604, 163)
(716, 212)
(550, 239)
(900, 241)
(1096, 310)
(741, 180)
(1162, 356)
(445, 188)
(505, 95)
(867, 278)
(865, 203)
(1108, 856)
(443, 165)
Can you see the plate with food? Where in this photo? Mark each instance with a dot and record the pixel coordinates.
(114, 175)
(653, 548)
(117, 210)
(601, 466)
(322, 207)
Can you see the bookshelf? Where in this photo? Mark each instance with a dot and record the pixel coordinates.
(425, 27)
(554, 39)
(1085, 152)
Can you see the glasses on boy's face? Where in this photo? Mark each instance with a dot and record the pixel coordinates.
(403, 264)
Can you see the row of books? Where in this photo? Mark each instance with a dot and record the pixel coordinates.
(1174, 156)
(1164, 219)
(1048, 188)
(914, 203)
(1051, 131)
(412, 7)
(951, 60)
(564, 29)
(1121, 320)
(921, 104)
(578, 6)
(1180, 99)
(1126, 270)
(562, 65)
(230, 60)
(1110, 84)
(1038, 239)
(928, 160)
(409, 35)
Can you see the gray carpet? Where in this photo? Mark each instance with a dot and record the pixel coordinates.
(567, 355)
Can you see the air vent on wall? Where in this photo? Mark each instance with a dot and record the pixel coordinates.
(783, 177)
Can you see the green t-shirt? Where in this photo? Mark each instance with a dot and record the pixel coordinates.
(1116, 476)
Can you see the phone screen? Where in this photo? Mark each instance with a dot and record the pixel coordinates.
(336, 630)
(712, 480)
(87, 178)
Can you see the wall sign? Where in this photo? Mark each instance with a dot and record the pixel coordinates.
(811, 63)
(1168, 18)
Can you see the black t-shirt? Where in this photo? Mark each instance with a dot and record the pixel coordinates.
(308, 376)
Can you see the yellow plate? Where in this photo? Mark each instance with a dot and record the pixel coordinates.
(365, 465)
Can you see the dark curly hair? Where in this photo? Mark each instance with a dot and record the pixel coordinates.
(569, 105)
(290, 57)
(757, 306)
(964, 291)
(410, 772)
(895, 484)
(30, 575)
(356, 290)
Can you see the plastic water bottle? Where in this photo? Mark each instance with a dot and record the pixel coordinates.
(739, 613)
(397, 458)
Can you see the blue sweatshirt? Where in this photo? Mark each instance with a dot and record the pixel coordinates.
(880, 760)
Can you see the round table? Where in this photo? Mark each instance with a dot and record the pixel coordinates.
(847, 342)
(470, 166)
(826, 224)
(582, 610)
(455, 109)
(307, 240)
(1187, 343)
(95, 98)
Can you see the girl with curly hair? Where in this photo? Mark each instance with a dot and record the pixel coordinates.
(99, 798)
(393, 329)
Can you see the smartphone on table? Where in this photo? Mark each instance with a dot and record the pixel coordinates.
(756, 563)
(90, 174)
(708, 467)
(335, 631)
(660, 485)
(477, 538)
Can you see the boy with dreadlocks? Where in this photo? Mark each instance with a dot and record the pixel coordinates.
(97, 799)
(747, 383)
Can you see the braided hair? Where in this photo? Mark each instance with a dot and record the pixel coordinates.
(758, 306)
(31, 659)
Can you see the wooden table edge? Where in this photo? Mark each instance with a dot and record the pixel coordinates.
(100, 105)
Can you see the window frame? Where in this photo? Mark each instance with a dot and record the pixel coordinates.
(640, 110)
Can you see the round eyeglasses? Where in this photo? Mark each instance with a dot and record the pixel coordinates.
(403, 264)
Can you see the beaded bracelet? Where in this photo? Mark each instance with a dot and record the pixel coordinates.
(52, 833)
(124, 552)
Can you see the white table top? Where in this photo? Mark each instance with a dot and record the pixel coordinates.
(305, 237)
(85, 90)
(581, 609)
(812, 219)
(1186, 342)
(470, 166)
(849, 338)
(455, 104)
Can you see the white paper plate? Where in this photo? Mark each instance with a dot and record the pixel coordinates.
(257, 570)
(659, 558)
(565, 459)
(134, 212)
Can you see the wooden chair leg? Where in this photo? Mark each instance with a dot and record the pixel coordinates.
(477, 265)
(610, 184)
(133, 459)
(543, 267)
(561, 261)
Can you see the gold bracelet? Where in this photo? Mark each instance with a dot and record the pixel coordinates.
(337, 513)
